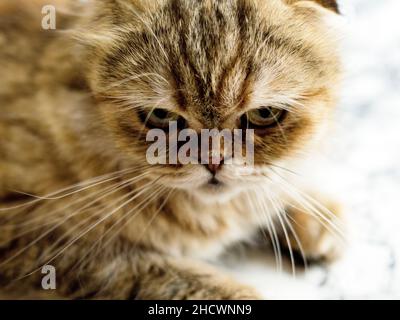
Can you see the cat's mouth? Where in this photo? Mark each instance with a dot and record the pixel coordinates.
(214, 182)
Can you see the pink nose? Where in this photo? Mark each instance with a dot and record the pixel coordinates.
(215, 167)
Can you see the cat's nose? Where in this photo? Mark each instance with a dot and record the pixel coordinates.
(215, 167)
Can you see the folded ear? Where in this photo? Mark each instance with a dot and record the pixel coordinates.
(328, 4)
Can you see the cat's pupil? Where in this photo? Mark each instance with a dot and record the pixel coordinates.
(265, 113)
(160, 113)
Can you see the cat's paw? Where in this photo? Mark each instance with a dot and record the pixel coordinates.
(318, 239)
(189, 284)
(227, 290)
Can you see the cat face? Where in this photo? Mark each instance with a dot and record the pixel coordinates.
(270, 66)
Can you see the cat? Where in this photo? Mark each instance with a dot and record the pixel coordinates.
(76, 190)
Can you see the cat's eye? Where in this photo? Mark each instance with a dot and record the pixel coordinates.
(262, 118)
(161, 118)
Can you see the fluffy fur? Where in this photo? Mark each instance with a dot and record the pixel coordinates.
(113, 225)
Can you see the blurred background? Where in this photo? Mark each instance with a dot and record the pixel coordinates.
(362, 166)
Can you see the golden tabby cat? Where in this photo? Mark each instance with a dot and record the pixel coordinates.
(76, 190)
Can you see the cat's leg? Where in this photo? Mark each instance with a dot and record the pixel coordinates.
(140, 276)
(316, 231)
(120, 270)
(145, 275)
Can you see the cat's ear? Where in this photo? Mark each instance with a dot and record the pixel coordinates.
(327, 4)
(326, 12)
